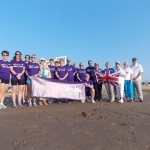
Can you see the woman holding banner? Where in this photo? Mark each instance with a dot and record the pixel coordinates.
(4, 77)
(44, 73)
(32, 71)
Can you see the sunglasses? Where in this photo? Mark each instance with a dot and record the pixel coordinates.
(34, 57)
(5, 55)
(18, 54)
(42, 60)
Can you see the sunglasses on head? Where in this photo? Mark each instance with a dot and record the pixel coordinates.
(18, 54)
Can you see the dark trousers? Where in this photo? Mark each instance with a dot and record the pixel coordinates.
(98, 90)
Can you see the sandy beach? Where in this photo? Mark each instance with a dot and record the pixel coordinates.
(77, 126)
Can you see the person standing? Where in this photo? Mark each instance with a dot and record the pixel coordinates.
(97, 86)
(32, 71)
(71, 70)
(44, 73)
(52, 68)
(4, 77)
(81, 72)
(109, 86)
(137, 78)
(128, 82)
(89, 69)
(76, 69)
(17, 69)
(61, 71)
(120, 87)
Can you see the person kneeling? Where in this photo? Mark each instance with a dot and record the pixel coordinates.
(89, 89)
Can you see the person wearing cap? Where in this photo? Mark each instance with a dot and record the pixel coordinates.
(109, 86)
(17, 69)
(32, 71)
(97, 86)
(90, 68)
(120, 87)
(44, 73)
(71, 70)
(137, 70)
(81, 72)
(128, 83)
(4, 77)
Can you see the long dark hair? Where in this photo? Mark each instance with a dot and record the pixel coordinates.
(14, 58)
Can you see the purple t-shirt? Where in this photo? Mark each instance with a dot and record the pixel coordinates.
(4, 70)
(94, 74)
(52, 70)
(62, 71)
(81, 74)
(90, 82)
(18, 67)
(89, 71)
(71, 70)
(75, 76)
(32, 68)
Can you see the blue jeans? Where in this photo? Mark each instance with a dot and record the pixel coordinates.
(128, 87)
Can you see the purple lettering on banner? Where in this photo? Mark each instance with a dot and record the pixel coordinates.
(50, 88)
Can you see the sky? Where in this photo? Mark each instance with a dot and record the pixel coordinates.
(97, 30)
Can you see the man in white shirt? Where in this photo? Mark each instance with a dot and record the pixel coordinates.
(137, 77)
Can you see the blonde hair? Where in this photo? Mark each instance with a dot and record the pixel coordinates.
(126, 63)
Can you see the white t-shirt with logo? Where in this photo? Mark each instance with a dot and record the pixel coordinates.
(136, 69)
(128, 72)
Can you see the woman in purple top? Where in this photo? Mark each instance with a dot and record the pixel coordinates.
(32, 71)
(71, 71)
(97, 86)
(27, 60)
(4, 77)
(81, 72)
(61, 71)
(17, 69)
(76, 69)
(52, 68)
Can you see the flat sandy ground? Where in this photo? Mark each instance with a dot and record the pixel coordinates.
(77, 126)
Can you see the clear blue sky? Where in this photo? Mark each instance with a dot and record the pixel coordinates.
(100, 30)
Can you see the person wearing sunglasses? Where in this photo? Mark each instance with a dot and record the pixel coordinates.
(44, 73)
(27, 60)
(81, 72)
(17, 69)
(4, 77)
(32, 71)
(89, 88)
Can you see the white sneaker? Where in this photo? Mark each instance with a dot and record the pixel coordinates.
(93, 101)
(34, 105)
(121, 101)
(3, 106)
(82, 101)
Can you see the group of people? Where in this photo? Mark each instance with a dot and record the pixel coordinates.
(20, 73)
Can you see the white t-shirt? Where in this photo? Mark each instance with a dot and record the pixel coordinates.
(136, 69)
(128, 72)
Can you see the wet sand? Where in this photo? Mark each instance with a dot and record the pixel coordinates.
(77, 126)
